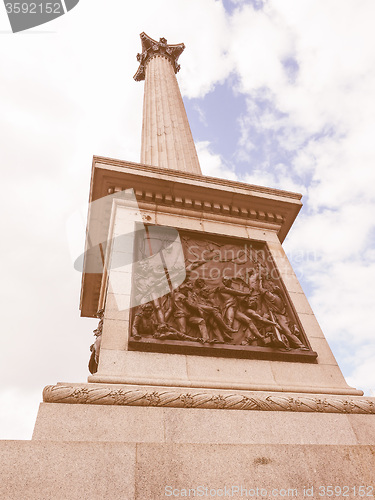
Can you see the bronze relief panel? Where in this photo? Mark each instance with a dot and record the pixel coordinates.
(229, 300)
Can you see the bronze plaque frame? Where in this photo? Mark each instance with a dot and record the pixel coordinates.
(232, 303)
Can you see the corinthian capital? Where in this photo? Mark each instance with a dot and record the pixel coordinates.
(151, 48)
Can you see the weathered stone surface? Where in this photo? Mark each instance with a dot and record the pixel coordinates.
(59, 471)
(269, 467)
(131, 367)
(80, 422)
(94, 471)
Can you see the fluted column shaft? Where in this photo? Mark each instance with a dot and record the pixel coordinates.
(167, 141)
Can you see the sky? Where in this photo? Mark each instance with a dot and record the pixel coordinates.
(278, 93)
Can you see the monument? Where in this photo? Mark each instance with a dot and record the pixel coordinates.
(210, 375)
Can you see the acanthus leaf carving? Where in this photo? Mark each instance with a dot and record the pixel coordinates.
(152, 48)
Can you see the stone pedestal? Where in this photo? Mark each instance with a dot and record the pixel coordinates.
(206, 208)
(96, 451)
(159, 419)
(92, 471)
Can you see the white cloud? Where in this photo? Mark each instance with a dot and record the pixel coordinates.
(212, 164)
(279, 177)
(328, 111)
(327, 232)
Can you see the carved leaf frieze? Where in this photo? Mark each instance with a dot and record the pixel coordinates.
(180, 398)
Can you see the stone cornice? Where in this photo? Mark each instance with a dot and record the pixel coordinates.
(203, 178)
(151, 48)
(201, 398)
(168, 190)
(174, 203)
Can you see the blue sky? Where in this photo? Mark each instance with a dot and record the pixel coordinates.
(280, 94)
(218, 118)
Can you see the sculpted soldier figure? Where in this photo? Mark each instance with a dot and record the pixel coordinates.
(183, 308)
(247, 316)
(228, 296)
(232, 311)
(144, 324)
(254, 282)
(167, 332)
(274, 302)
(150, 284)
(208, 310)
(95, 347)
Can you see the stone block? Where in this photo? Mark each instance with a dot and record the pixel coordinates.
(311, 325)
(258, 427)
(118, 304)
(142, 367)
(325, 355)
(131, 424)
(363, 428)
(133, 367)
(74, 470)
(115, 334)
(67, 422)
(260, 234)
(291, 282)
(300, 303)
(126, 225)
(224, 229)
(219, 372)
(305, 377)
(164, 219)
(260, 470)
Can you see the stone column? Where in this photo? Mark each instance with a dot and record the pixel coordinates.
(167, 141)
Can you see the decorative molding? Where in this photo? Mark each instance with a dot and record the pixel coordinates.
(199, 398)
(100, 161)
(158, 198)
